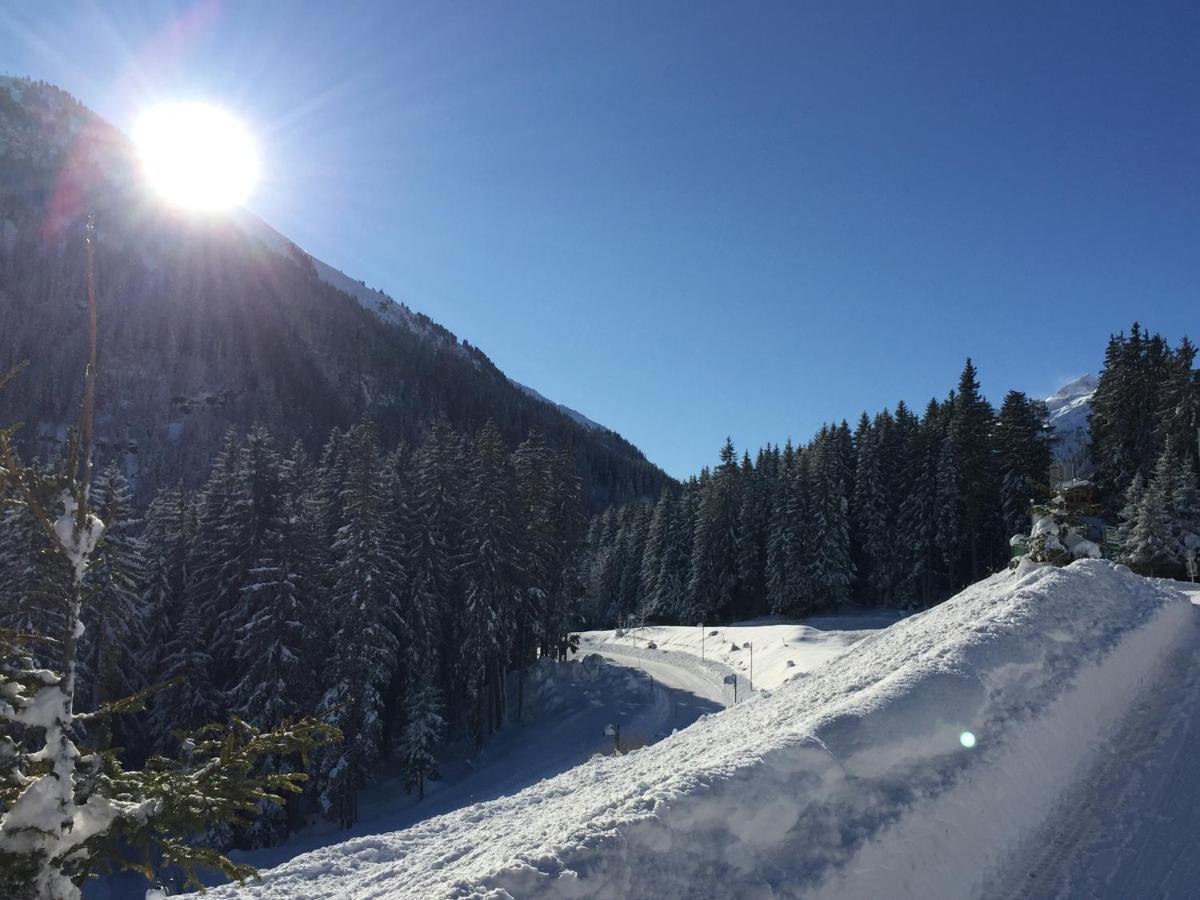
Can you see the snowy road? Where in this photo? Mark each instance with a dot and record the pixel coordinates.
(1128, 829)
(668, 671)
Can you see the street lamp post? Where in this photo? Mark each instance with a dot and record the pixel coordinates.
(732, 679)
(614, 732)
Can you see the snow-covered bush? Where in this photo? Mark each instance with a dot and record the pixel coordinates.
(1057, 535)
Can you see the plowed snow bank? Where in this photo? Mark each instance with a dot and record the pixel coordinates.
(855, 781)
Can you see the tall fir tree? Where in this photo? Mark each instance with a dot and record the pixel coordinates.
(366, 592)
(713, 583)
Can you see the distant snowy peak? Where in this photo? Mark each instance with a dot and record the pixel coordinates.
(391, 311)
(1072, 396)
(1069, 407)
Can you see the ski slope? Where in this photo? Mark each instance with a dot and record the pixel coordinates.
(921, 762)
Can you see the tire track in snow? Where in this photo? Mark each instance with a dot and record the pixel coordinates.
(1103, 814)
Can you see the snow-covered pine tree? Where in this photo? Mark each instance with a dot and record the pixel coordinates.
(971, 434)
(713, 583)
(191, 699)
(167, 536)
(533, 495)
(1150, 545)
(33, 577)
(424, 730)
(115, 614)
(671, 598)
(920, 558)
(1024, 443)
(754, 519)
(368, 579)
(1185, 508)
(432, 546)
(873, 532)
(253, 513)
(1179, 403)
(831, 566)
(328, 480)
(948, 509)
(629, 596)
(565, 586)
(657, 536)
(603, 571)
(493, 579)
(1134, 495)
(1133, 410)
(791, 545)
(779, 532)
(217, 559)
(272, 628)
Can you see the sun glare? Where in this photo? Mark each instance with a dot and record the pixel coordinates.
(197, 156)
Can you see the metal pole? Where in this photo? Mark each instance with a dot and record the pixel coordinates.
(751, 665)
(701, 642)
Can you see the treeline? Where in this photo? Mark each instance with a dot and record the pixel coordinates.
(398, 593)
(901, 511)
(1145, 441)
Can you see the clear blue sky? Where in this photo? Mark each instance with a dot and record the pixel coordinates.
(689, 220)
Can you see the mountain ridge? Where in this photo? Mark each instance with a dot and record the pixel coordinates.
(218, 322)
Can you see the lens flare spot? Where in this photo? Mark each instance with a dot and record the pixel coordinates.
(967, 739)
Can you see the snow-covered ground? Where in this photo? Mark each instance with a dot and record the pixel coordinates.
(779, 651)
(568, 707)
(1127, 828)
(923, 761)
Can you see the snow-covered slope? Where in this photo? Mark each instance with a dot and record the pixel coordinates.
(910, 766)
(565, 410)
(369, 298)
(1069, 409)
(388, 309)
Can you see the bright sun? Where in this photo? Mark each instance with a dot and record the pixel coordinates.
(197, 156)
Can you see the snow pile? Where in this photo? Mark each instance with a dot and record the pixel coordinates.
(781, 651)
(909, 766)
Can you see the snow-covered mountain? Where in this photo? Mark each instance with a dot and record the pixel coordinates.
(388, 309)
(1015, 738)
(1069, 409)
(565, 410)
(220, 322)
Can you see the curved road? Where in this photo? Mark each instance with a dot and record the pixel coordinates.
(666, 673)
